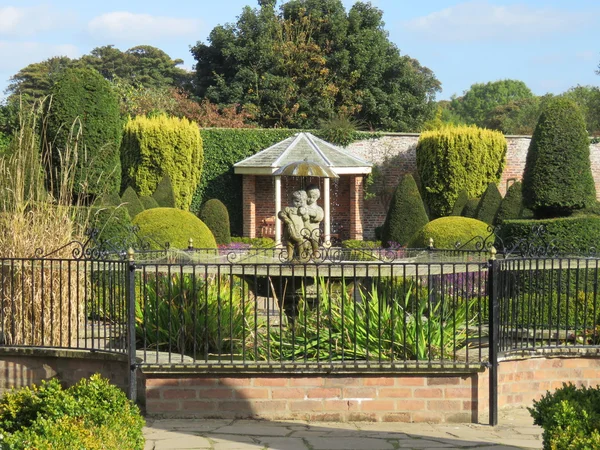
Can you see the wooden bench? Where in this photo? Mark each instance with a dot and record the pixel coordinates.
(267, 227)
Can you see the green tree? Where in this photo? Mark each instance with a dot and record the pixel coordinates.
(516, 117)
(36, 80)
(313, 61)
(85, 106)
(588, 100)
(481, 98)
(558, 179)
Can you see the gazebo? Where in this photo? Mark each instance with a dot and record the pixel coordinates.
(264, 187)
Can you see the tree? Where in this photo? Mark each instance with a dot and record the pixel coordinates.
(36, 80)
(84, 116)
(481, 98)
(588, 100)
(557, 179)
(313, 61)
(517, 116)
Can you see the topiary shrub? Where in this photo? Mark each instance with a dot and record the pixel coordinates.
(557, 179)
(259, 242)
(84, 102)
(449, 231)
(164, 194)
(92, 414)
(113, 224)
(149, 202)
(489, 204)
(455, 158)
(108, 199)
(470, 208)
(158, 146)
(173, 226)
(406, 214)
(214, 214)
(132, 202)
(461, 202)
(511, 206)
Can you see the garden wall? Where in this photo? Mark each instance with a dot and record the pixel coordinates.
(395, 155)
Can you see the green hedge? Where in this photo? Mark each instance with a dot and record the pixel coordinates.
(214, 214)
(89, 415)
(511, 206)
(446, 232)
(455, 158)
(489, 204)
(132, 202)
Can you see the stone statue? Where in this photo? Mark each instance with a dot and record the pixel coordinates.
(301, 223)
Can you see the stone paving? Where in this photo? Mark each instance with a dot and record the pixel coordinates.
(515, 431)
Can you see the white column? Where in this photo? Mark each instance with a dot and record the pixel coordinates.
(326, 210)
(277, 209)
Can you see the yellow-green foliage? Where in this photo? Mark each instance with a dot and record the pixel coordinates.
(448, 231)
(455, 158)
(173, 226)
(158, 146)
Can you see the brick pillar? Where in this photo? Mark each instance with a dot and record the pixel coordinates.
(356, 207)
(249, 205)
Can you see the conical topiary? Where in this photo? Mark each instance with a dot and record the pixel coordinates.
(216, 217)
(512, 204)
(149, 202)
(460, 203)
(406, 214)
(489, 204)
(132, 202)
(470, 208)
(164, 194)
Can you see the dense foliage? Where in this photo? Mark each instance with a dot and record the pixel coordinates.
(453, 159)
(557, 179)
(460, 203)
(214, 214)
(164, 195)
(450, 232)
(158, 146)
(84, 106)
(489, 204)
(159, 226)
(91, 414)
(406, 214)
(149, 202)
(312, 61)
(511, 206)
(132, 202)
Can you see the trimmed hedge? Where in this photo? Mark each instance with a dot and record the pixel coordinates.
(149, 202)
(158, 146)
(460, 203)
(83, 101)
(557, 179)
(406, 214)
(164, 195)
(259, 242)
(569, 234)
(175, 227)
(470, 208)
(91, 414)
(214, 214)
(448, 231)
(511, 206)
(222, 149)
(489, 204)
(132, 202)
(451, 159)
(113, 224)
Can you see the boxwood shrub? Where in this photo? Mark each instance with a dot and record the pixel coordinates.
(214, 214)
(448, 231)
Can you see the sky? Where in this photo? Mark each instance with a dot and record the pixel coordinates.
(551, 45)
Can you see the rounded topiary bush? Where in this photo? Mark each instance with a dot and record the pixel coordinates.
(460, 203)
(489, 204)
(214, 214)
(174, 226)
(448, 231)
(512, 204)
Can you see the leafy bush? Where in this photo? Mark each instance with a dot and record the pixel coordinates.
(84, 104)
(158, 146)
(214, 214)
(449, 231)
(164, 195)
(113, 224)
(489, 204)
(259, 242)
(511, 206)
(361, 250)
(173, 226)
(149, 202)
(557, 179)
(470, 208)
(340, 131)
(132, 202)
(570, 417)
(453, 159)
(91, 414)
(108, 199)
(460, 203)
(406, 214)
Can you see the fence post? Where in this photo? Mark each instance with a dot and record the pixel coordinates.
(130, 295)
(493, 336)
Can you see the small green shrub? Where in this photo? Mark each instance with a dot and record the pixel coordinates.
(108, 199)
(259, 242)
(91, 414)
(132, 202)
(470, 208)
(511, 206)
(461, 202)
(489, 204)
(361, 250)
(214, 214)
(113, 225)
(406, 214)
(149, 202)
(164, 195)
(175, 227)
(449, 231)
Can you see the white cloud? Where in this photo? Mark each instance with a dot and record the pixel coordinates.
(16, 55)
(140, 27)
(28, 21)
(479, 19)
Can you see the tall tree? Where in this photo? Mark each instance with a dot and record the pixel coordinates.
(312, 61)
(35, 80)
(588, 100)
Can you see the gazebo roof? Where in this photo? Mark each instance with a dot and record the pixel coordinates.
(302, 147)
